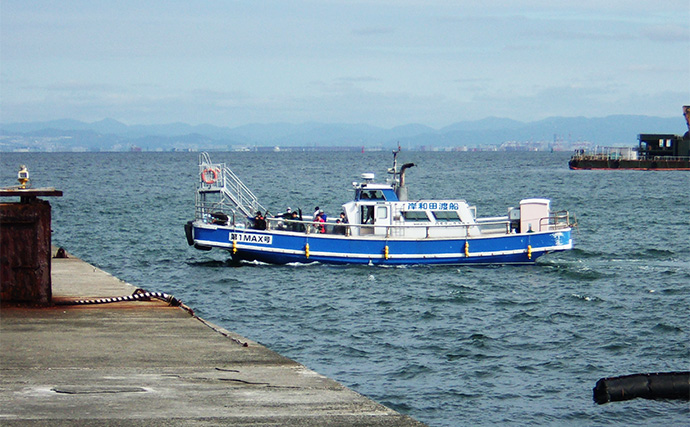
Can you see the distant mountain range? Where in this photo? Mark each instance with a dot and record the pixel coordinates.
(112, 135)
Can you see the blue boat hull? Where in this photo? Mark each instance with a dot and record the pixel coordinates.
(281, 247)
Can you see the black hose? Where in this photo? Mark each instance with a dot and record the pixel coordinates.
(664, 385)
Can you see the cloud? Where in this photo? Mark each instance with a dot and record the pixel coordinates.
(380, 62)
(667, 33)
(372, 31)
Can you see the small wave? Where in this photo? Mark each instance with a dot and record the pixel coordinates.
(213, 263)
(453, 298)
(349, 351)
(662, 327)
(398, 406)
(471, 355)
(579, 253)
(503, 302)
(553, 365)
(652, 254)
(562, 315)
(508, 396)
(409, 372)
(523, 316)
(672, 291)
(459, 355)
(387, 266)
(479, 337)
(301, 264)
(586, 298)
(253, 263)
(321, 307)
(580, 272)
(465, 394)
(616, 347)
(491, 371)
(478, 340)
(428, 315)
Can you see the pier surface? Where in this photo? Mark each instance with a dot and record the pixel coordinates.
(150, 363)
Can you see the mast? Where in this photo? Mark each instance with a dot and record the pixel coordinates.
(399, 176)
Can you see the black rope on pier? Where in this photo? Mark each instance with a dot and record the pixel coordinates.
(138, 295)
(143, 295)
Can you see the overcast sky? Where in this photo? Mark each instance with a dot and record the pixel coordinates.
(384, 63)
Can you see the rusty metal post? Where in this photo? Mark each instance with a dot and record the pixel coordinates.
(25, 247)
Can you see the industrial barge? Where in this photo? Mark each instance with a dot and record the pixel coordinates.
(654, 152)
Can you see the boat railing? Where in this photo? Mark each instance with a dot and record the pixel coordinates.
(670, 158)
(220, 190)
(556, 221)
(606, 153)
(619, 153)
(239, 193)
(311, 227)
(205, 208)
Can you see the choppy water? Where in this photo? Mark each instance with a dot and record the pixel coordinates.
(446, 345)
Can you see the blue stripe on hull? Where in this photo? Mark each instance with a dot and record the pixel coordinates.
(291, 247)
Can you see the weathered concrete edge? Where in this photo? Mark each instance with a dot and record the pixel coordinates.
(117, 287)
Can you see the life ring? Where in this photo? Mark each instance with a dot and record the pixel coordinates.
(209, 179)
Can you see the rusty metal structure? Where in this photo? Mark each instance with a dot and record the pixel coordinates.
(25, 246)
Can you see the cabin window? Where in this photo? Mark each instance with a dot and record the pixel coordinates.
(415, 216)
(371, 195)
(445, 216)
(375, 195)
(381, 212)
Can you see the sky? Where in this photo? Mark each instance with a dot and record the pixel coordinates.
(380, 62)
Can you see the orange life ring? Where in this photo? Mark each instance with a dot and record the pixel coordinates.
(207, 179)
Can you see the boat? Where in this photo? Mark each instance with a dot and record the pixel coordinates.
(379, 226)
(654, 152)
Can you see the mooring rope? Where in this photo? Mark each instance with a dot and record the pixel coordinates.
(138, 295)
(142, 295)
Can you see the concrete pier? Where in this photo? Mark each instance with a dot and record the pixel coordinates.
(150, 363)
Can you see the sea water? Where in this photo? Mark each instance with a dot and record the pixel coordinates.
(515, 345)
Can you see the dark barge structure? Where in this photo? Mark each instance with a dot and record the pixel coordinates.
(654, 152)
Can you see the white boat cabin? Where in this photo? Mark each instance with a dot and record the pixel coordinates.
(377, 210)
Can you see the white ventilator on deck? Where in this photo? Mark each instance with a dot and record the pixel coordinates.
(533, 213)
(232, 194)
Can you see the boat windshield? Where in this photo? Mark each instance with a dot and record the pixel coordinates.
(446, 216)
(415, 216)
(376, 195)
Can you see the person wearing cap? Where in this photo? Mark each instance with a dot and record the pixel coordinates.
(285, 215)
(259, 221)
(295, 226)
